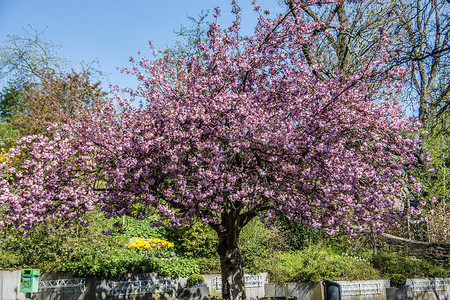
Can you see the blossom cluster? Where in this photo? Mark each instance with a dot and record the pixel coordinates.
(245, 129)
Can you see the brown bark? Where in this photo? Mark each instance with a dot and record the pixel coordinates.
(231, 265)
(231, 258)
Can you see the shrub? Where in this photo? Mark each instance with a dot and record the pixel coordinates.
(85, 251)
(298, 236)
(180, 267)
(9, 261)
(136, 228)
(110, 267)
(198, 240)
(317, 263)
(195, 279)
(208, 265)
(397, 280)
(259, 244)
(409, 267)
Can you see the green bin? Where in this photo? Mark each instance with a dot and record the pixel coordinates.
(29, 280)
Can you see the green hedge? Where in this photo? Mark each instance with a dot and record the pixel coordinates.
(316, 263)
(85, 251)
(410, 267)
(131, 263)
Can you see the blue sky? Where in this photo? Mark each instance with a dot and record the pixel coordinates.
(112, 30)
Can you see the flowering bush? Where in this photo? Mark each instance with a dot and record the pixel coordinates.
(151, 247)
(398, 280)
(195, 280)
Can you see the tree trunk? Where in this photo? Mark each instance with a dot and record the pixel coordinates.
(231, 265)
(231, 258)
(374, 243)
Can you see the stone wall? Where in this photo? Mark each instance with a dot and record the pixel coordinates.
(63, 286)
(437, 252)
(430, 288)
(254, 284)
(419, 289)
(350, 290)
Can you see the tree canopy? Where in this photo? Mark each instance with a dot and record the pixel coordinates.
(245, 129)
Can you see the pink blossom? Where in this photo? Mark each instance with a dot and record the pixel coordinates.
(245, 128)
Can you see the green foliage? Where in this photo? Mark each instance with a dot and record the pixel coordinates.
(258, 244)
(8, 135)
(409, 267)
(85, 251)
(397, 280)
(433, 175)
(198, 240)
(195, 279)
(208, 265)
(297, 235)
(141, 228)
(9, 260)
(12, 100)
(434, 183)
(316, 263)
(104, 267)
(212, 298)
(181, 267)
(31, 251)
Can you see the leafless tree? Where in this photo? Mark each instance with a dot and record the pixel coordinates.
(425, 29)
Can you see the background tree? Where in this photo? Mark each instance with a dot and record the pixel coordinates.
(416, 30)
(11, 101)
(191, 36)
(53, 99)
(425, 30)
(22, 61)
(38, 84)
(244, 130)
(22, 58)
(417, 33)
(355, 30)
(434, 177)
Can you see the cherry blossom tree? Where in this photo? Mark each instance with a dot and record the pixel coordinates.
(244, 130)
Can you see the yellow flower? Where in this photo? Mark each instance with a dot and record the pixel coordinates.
(153, 244)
